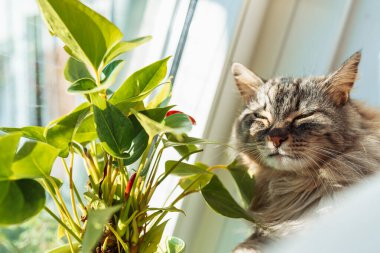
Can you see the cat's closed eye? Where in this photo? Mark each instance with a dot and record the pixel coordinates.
(248, 120)
(258, 115)
(303, 116)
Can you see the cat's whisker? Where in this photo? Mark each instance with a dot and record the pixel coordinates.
(347, 166)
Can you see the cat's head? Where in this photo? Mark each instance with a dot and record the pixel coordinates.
(292, 123)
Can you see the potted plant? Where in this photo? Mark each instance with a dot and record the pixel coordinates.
(119, 136)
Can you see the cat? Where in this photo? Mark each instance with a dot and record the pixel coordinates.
(304, 139)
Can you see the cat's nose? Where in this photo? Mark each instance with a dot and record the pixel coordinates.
(278, 135)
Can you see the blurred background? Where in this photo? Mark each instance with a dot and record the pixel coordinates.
(272, 37)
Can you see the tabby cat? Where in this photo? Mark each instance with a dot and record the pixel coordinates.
(305, 139)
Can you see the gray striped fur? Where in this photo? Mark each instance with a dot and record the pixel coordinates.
(332, 142)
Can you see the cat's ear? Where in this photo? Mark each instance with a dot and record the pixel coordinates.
(340, 83)
(247, 82)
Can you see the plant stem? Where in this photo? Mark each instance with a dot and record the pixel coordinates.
(64, 209)
(158, 158)
(152, 175)
(125, 246)
(217, 166)
(125, 208)
(167, 173)
(61, 210)
(171, 193)
(182, 195)
(72, 198)
(113, 185)
(62, 224)
(109, 180)
(91, 167)
(70, 242)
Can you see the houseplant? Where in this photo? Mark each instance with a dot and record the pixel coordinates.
(119, 136)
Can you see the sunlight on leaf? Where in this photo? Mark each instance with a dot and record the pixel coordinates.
(195, 182)
(8, 147)
(124, 46)
(75, 70)
(82, 86)
(141, 83)
(30, 132)
(79, 36)
(162, 96)
(175, 245)
(86, 131)
(153, 127)
(182, 169)
(33, 160)
(61, 132)
(66, 248)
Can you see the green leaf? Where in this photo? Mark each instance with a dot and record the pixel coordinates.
(110, 68)
(30, 132)
(175, 245)
(157, 114)
(138, 146)
(179, 121)
(61, 134)
(182, 169)
(86, 33)
(70, 52)
(60, 232)
(47, 181)
(126, 107)
(20, 200)
(111, 72)
(168, 209)
(124, 46)
(8, 147)
(82, 86)
(86, 131)
(221, 201)
(153, 238)
(88, 85)
(184, 141)
(153, 127)
(32, 160)
(75, 70)
(95, 225)
(195, 182)
(162, 96)
(141, 83)
(66, 248)
(140, 141)
(114, 129)
(244, 181)
(183, 145)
